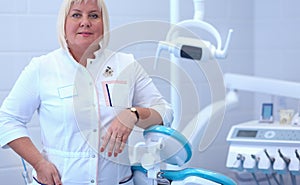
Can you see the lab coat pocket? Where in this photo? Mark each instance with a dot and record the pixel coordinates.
(67, 91)
(116, 93)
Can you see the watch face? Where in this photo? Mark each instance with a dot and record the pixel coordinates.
(133, 110)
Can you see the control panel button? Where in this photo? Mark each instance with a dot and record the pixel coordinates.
(269, 134)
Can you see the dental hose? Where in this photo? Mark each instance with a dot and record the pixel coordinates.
(268, 179)
(281, 179)
(255, 179)
(25, 173)
(293, 179)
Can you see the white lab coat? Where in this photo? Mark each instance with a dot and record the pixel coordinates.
(75, 106)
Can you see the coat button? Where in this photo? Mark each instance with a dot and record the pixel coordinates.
(92, 181)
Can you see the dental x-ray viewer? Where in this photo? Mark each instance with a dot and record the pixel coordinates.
(88, 100)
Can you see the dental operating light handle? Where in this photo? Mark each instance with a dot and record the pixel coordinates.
(221, 54)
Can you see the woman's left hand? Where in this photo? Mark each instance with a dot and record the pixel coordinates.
(118, 132)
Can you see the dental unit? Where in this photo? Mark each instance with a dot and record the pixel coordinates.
(264, 148)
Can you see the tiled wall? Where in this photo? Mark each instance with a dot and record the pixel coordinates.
(28, 30)
(265, 42)
(277, 44)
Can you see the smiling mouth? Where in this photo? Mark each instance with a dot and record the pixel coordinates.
(85, 33)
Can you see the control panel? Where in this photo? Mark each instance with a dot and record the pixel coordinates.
(265, 147)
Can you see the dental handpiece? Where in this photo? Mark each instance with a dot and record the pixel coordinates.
(240, 157)
(256, 159)
(272, 159)
(285, 159)
(297, 154)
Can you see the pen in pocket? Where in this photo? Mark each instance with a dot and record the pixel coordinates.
(108, 94)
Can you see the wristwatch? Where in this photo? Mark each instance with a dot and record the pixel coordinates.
(133, 110)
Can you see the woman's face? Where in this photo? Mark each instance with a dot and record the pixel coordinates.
(84, 24)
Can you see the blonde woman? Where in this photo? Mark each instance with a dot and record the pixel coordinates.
(88, 100)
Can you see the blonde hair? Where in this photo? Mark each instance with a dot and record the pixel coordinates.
(64, 10)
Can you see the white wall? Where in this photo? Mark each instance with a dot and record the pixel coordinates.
(277, 44)
(28, 30)
(265, 42)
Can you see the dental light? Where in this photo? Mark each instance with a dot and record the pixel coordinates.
(217, 52)
(192, 48)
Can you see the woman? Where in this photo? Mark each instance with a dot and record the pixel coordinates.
(88, 100)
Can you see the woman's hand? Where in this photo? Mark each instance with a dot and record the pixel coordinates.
(47, 173)
(118, 132)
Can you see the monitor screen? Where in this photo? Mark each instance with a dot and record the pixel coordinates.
(247, 133)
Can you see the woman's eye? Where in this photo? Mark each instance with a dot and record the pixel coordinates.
(93, 16)
(76, 15)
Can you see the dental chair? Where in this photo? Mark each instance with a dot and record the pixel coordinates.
(164, 147)
(164, 155)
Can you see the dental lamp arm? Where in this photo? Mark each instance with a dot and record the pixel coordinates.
(198, 9)
(221, 54)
